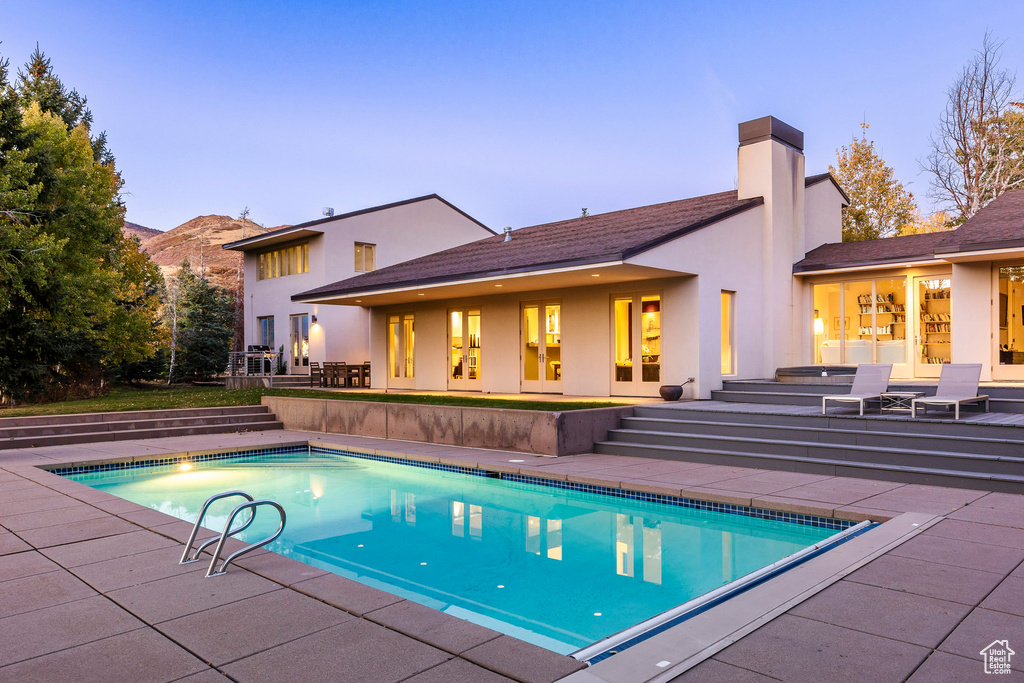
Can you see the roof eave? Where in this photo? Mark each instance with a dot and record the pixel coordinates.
(271, 238)
(876, 264)
(311, 297)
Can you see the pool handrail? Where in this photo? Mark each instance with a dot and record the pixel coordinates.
(185, 559)
(251, 505)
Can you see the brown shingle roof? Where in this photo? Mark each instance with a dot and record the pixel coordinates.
(999, 224)
(867, 252)
(595, 239)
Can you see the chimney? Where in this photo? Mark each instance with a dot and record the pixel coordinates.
(771, 165)
(508, 234)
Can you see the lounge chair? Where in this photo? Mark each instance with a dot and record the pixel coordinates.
(958, 384)
(868, 384)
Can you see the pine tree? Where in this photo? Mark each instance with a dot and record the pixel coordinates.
(206, 318)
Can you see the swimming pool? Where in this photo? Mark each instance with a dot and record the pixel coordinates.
(557, 564)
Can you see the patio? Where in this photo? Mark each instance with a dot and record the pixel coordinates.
(93, 592)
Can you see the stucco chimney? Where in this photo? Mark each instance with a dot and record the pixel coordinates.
(771, 165)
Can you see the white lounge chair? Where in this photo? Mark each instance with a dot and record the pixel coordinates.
(868, 384)
(958, 384)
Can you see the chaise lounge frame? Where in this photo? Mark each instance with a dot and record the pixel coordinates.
(871, 380)
(958, 385)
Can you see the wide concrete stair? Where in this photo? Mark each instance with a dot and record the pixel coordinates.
(933, 452)
(1004, 399)
(55, 430)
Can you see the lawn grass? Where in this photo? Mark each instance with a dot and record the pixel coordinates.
(161, 397)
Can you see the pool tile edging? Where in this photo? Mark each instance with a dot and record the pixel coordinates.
(479, 470)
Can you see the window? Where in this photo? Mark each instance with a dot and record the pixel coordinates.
(1011, 315)
(364, 257)
(401, 346)
(728, 348)
(266, 331)
(291, 260)
(861, 321)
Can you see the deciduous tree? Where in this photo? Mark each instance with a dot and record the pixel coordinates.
(978, 147)
(879, 204)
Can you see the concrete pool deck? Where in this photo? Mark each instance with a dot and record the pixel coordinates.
(91, 588)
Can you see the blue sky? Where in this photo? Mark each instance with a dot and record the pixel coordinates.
(519, 113)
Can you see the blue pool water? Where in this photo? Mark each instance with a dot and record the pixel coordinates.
(555, 567)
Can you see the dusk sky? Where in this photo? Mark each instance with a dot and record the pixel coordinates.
(517, 113)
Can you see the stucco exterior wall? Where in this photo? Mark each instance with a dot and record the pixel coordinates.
(399, 233)
(973, 316)
(586, 324)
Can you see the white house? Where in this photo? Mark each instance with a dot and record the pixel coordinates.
(612, 304)
(733, 284)
(284, 262)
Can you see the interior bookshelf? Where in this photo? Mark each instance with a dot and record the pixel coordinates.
(890, 315)
(936, 326)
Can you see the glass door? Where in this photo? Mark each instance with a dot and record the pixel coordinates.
(298, 363)
(542, 347)
(934, 325)
(401, 350)
(464, 350)
(1009, 302)
(636, 345)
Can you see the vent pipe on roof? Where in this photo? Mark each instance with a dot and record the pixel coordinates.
(508, 234)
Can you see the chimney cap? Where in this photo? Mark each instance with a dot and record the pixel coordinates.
(770, 128)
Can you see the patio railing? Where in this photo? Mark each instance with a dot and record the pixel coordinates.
(252, 364)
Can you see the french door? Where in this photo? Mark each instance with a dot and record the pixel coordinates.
(636, 345)
(464, 350)
(298, 363)
(541, 343)
(934, 325)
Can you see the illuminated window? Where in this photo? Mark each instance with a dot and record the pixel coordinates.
(728, 348)
(281, 262)
(365, 257)
(401, 346)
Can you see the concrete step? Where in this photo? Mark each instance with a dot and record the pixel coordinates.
(134, 434)
(848, 421)
(770, 386)
(997, 405)
(884, 471)
(55, 430)
(825, 450)
(832, 435)
(77, 418)
(122, 425)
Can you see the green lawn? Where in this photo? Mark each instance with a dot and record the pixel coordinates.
(157, 397)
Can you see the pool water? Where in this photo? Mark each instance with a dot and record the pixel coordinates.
(558, 568)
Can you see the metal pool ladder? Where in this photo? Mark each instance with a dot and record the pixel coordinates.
(250, 505)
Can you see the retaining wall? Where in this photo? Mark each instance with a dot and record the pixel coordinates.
(527, 431)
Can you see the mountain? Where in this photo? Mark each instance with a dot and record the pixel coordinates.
(140, 231)
(199, 240)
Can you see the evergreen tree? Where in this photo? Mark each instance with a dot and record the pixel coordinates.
(206, 319)
(76, 298)
(39, 83)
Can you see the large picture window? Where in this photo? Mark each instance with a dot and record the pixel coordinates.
(285, 261)
(861, 321)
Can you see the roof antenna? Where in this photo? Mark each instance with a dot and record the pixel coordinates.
(508, 234)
